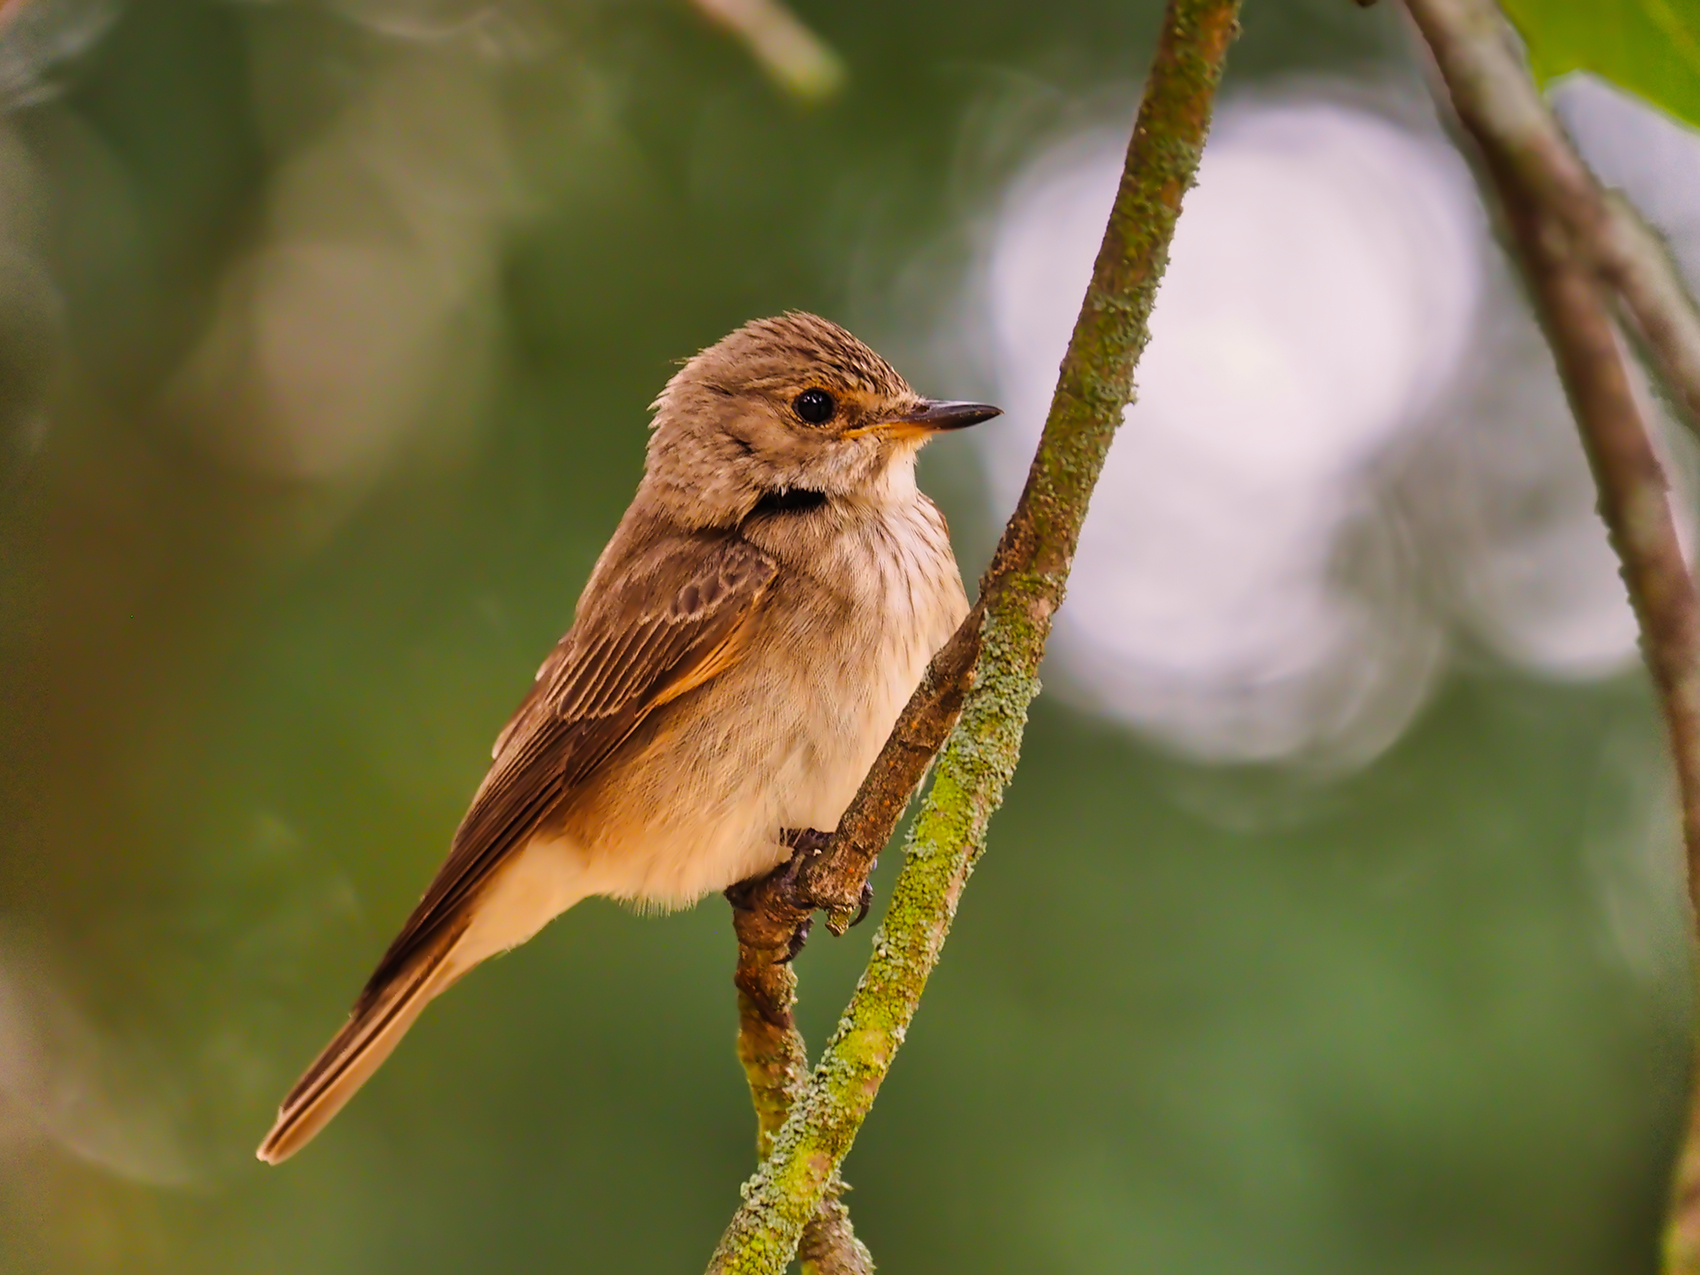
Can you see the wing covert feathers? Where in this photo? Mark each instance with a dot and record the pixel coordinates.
(655, 622)
(648, 630)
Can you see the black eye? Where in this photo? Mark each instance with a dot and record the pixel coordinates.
(814, 406)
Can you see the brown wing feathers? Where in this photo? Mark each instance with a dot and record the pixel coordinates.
(667, 633)
(658, 628)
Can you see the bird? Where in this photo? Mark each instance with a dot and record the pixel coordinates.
(742, 648)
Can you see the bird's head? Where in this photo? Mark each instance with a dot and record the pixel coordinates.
(788, 407)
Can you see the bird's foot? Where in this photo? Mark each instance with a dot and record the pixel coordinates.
(806, 845)
(788, 887)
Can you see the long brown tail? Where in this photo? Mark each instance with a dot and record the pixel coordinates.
(379, 1021)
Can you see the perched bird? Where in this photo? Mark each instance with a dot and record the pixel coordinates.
(743, 647)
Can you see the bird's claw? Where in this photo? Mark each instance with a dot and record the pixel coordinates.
(867, 899)
(806, 844)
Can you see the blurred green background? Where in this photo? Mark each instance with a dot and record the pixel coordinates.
(264, 604)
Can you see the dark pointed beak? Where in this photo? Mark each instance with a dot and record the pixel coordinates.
(933, 417)
(936, 416)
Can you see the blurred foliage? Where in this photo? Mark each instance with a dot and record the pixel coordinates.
(1650, 47)
(1429, 1018)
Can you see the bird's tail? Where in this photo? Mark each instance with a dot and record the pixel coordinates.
(379, 1021)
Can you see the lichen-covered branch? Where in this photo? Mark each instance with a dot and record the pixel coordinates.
(1019, 596)
(767, 911)
(1569, 245)
(776, 1064)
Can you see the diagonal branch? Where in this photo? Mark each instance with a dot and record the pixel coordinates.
(776, 1064)
(996, 655)
(1572, 245)
(797, 59)
(1490, 88)
(767, 911)
(1638, 264)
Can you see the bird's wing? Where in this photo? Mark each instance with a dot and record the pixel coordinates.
(676, 617)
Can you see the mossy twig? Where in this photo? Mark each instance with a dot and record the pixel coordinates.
(776, 1065)
(1005, 638)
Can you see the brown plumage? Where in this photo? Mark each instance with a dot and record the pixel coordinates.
(739, 654)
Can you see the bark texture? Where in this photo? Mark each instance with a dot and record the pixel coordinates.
(1001, 644)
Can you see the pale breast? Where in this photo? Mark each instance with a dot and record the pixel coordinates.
(904, 598)
(783, 739)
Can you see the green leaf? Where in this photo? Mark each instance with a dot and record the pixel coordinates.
(1651, 47)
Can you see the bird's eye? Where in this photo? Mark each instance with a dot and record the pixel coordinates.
(814, 406)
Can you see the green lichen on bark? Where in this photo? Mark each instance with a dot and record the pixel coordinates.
(1020, 594)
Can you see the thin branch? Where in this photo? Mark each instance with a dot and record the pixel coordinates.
(1466, 37)
(829, 1246)
(776, 1064)
(1019, 596)
(1571, 246)
(1485, 72)
(1663, 314)
(767, 911)
(797, 59)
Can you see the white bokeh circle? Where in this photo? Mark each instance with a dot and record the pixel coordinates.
(1323, 282)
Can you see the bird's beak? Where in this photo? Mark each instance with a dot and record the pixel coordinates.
(932, 417)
